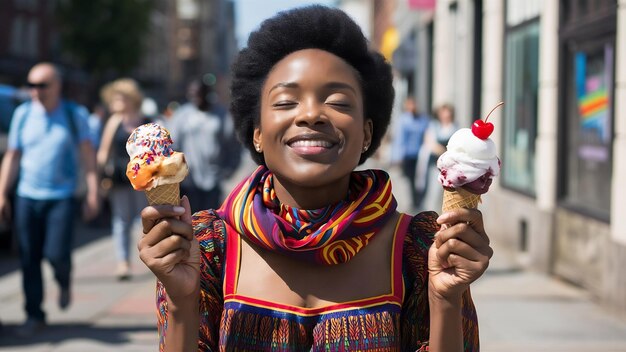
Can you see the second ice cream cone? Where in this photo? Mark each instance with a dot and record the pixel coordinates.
(164, 194)
(459, 198)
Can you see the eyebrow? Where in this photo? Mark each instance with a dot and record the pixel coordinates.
(329, 85)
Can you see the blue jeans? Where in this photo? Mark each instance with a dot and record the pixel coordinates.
(126, 205)
(45, 229)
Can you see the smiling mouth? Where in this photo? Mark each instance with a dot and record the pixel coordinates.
(310, 143)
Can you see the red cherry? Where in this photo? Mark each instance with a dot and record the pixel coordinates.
(482, 129)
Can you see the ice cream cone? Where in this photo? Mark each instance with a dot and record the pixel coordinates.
(164, 194)
(454, 198)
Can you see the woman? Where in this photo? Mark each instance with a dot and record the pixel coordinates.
(436, 139)
(307, 254)
(123, 98)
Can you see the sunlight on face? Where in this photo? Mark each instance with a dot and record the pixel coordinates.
(312, 129)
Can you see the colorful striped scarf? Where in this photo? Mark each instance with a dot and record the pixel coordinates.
(331, 235)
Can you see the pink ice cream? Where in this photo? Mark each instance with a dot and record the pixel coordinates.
(469, 162)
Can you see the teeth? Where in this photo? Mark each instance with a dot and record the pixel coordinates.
(311, 143)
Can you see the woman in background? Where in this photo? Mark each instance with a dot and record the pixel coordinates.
(436, 139)
(123, 98)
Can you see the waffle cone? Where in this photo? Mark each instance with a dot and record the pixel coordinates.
(164, 194)
(459, 198)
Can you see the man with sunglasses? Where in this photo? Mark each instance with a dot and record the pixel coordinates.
(47, 137)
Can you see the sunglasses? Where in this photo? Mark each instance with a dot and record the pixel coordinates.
(31, 85)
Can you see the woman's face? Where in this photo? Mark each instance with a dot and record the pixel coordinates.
(312, 129)
(119, 103)
(445, 115)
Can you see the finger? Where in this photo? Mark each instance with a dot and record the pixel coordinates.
(457, 215)
(469, 237)
(463, 232)
(173, 258)
(186, 217)
(459, 248)
(472, 217)
(151, 215)
(152, 255)
(166, 227)
(170, 244)
(156, 234)
(471, 270)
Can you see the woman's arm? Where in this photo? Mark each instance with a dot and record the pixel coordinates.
(107, 139)
(431, 141)
(459, 255)
(183, 323)
(171, 251)
(446, 332)
(192, 323)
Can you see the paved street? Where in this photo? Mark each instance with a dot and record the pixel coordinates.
(518, 311)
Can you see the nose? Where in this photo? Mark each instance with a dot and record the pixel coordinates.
(311, 113)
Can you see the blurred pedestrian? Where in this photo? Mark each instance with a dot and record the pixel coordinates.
(95, 122)
(435, 141)
(46, 137)
(203, 130)
(409, 138)
(123, 98)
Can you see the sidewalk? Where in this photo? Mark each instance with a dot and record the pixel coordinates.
(521, 311)
(105, 314)
(518, 311)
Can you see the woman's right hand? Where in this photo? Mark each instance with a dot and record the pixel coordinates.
(170, 249)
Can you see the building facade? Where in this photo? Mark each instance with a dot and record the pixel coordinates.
(29, 34)
(188, 38)
(560, 68)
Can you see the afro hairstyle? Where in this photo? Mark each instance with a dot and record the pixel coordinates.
(311, 27)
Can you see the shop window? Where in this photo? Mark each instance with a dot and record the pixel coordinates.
(587, 34)
(520, 109)
(588, 119)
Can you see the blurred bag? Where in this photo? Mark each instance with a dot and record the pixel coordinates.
(114, 172)
(110, 171)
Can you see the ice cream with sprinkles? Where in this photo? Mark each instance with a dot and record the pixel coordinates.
(153, 163)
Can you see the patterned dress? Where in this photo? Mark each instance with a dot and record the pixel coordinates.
(397, 321)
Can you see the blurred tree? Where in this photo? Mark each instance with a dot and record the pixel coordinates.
(104, 36)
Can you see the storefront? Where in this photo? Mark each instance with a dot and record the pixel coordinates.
(559, 205)
(586, 116)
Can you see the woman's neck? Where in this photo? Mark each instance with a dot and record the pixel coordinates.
(310, 198)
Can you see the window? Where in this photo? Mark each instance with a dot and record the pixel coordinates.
(587, 80)
(588, 117)
(18, 27)
(32, 31)
(521, 86)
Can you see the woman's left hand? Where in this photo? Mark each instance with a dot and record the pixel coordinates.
(459, 255)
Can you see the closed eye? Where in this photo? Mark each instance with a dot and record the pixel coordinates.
(284, 104)
(342, 105)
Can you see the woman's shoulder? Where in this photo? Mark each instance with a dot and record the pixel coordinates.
(417, 241)
(210, 230)
(421, 231)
